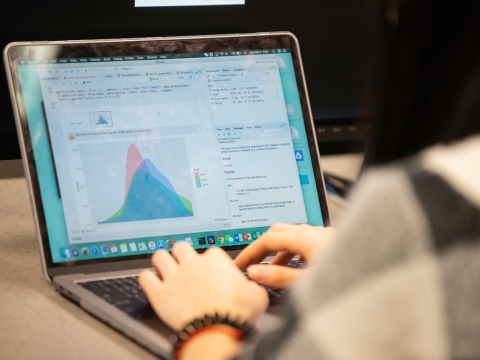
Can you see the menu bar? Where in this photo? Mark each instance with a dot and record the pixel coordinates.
(152, 57)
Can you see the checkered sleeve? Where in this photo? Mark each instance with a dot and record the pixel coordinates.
(402, 280)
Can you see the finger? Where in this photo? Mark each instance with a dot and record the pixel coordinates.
(282, 258)
(260, 249)
(274, 276)
(164, 263)
(150, 283)
(183, 252)
(268, 243)
(252, 254)
(275, 228)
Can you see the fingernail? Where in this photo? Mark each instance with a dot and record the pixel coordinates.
(256, 271)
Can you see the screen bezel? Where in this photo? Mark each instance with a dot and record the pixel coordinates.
(148, 46)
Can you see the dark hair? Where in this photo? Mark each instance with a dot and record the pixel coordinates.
(428, 88)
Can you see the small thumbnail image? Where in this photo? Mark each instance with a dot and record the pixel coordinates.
(101, 119)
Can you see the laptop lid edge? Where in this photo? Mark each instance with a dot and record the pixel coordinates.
(25, 161)
(322, 189)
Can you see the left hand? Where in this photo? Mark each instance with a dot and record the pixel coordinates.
(189, 286)
(287, 240)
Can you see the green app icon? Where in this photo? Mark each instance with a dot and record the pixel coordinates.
(254, 236)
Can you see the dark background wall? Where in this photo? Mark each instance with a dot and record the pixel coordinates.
(335, 38)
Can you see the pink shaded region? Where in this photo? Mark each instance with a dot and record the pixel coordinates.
(134, 159)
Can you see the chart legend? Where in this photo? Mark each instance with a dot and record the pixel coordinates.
(197, 180)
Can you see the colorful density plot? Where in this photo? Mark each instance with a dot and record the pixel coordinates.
(101, 119)
(149, 195)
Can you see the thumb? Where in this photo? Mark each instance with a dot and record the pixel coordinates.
(275, 276)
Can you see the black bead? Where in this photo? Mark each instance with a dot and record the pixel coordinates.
(206, 321)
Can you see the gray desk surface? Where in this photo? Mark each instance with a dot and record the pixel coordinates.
(38, 323)
(35, 321)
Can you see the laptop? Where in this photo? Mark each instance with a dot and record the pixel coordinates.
(132, 145)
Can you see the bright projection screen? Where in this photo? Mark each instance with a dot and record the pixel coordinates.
(159, 3)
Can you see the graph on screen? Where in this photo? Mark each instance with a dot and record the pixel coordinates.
(149, 195)
(101, 119)
(137, 181)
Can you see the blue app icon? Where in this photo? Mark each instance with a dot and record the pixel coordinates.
(237, 237)
(299, 155)
(161, 244)
(104, 249)
(65, 253)
(94, 250)
(304, 180)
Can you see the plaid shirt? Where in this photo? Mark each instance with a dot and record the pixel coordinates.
(402, 280)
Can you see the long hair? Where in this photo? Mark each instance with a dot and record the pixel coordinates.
(428, 78)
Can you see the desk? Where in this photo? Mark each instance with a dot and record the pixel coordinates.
(35, 321)
(38, 323)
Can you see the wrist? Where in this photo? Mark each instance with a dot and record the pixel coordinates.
(215, 342)
(199, 327)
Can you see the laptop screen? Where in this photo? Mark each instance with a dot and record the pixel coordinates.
(135, 153)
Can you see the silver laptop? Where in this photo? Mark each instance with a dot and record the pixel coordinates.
(131, 145)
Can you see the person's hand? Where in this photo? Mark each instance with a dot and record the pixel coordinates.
(189, 286)
(288, 241)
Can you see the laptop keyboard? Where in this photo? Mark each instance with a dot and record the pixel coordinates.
(125, 294)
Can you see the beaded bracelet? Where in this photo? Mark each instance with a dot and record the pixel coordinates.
(219, 329)
(191, 328)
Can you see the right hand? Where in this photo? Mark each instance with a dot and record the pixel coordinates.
(288, 241)
(189, 285)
